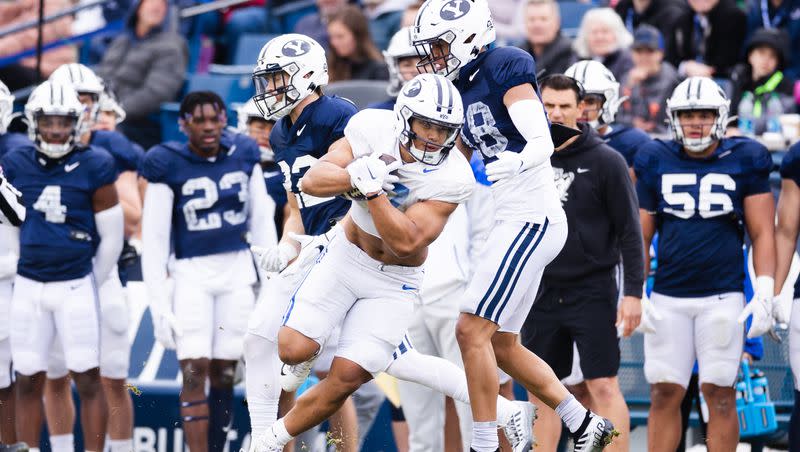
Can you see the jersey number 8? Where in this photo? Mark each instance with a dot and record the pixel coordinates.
(684, 203)
(483, 127)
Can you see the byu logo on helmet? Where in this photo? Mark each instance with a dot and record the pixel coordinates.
(454, 9)
(413, 89)
(296, 48)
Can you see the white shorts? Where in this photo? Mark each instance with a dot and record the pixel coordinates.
(115, 346)
(794, 343)
(213, 301)
(6, 288)
(510, 268)
(40, 312)
(373, 302)
(702, 329)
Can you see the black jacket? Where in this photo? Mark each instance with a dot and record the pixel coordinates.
(556, 57)
(661, 14)
(603, 217)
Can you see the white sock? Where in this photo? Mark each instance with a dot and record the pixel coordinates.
(35, 449)
(572, 413)
(121, 445)
(279, 430)
(262, 374)
(484, 436)
(62, 443)
(505, 409)
(436, 373)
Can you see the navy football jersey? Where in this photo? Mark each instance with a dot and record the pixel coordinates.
(388, 104)
(298, 146)
(790, 169)
(699, 208)
(626, 140)
(209, 213)
(59, 236)
(13, 140)
(126, 156)
(483, 82)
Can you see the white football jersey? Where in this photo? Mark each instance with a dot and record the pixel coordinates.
(451, 181)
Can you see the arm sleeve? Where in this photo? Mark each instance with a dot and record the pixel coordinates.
(262, 211)
(623, 211)
(156, 230)
(529, 118)
(8, 261)
(111, 229)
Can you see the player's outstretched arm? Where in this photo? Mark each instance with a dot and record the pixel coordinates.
(759, 218)
(787, 230)
(156, 231)
(110, 225)
(329, 176)
(407, 233)
(261, 211)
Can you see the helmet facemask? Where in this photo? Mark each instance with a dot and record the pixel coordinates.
(276, 94)
(436, 56)
(432, 153)
(716, 130)
(56, 150)
(91, 111)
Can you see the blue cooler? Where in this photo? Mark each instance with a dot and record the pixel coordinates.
(754, 408)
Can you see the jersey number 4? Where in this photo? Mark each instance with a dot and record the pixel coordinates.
(709, 204)
(49, 202)
(213, 220)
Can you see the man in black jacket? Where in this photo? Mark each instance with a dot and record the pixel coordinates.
(577, 299)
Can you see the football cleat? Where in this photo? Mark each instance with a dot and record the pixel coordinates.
(595, 434)
(293, 376)
(519, 428)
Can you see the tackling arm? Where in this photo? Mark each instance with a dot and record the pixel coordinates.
(408, 233)
(329, 176)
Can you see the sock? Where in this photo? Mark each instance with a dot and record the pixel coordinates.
(484, 436)
(36, 449)
(505, 409)
(433, 372)
(121, 445)
(262, 414)
(794, 424)
(220, 412)
(279, 430)
(62, 443)
(572, 413)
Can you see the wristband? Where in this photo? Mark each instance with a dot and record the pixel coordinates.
(375, 195)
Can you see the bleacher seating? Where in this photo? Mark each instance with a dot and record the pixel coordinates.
(360, 92)
(248, 48)
(571, 15)
(230, 87)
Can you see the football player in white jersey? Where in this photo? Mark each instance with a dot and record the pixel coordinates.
(506, 122)
(370, 274)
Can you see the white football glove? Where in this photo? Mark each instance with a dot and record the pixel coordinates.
(165, 325)
(311, 247)
(369, 173)
(760, 307)
(782, 308)
(276, 258)
(650, 315)
(507, 165)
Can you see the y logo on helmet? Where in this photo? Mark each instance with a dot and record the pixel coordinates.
(413, 88)
(296, 48)
(454, 9)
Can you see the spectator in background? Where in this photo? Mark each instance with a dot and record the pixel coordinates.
(602, 37)
(385, 17)
(550, 48)
(23, 72)
(647, 86)
(508, 20)
(707, 39)
(661, 14)
(783, 14)
(315, 25)
(410, 14)
(762, 75)
(401, 59)
(146, 65)
(352, 54)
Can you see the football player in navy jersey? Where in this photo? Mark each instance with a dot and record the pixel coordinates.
(600, 104)
(251, 123)
(402, 59)
(505, 121)
(69, 244)
(114, 318)
(9, 140)
(205, 196)
(702, 192)
(787, 305)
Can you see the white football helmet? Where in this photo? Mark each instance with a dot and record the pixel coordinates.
(399, 47)
(244, 113)
(108, 102)
(299, 62)
(6, 107)
(597, 79)
(466, 25)
(698, 93)
(54, 99)
(431, 98)
(84, 81)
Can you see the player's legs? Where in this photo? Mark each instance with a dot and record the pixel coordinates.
(719, 340)
(669, 356)
(794, 360)
(59, 410)
(31, 334)
(93, 408)
(114, 361)
(8, 433)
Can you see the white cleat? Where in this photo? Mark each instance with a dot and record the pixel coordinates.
(595, 434)
(292, 377)
(519, 428)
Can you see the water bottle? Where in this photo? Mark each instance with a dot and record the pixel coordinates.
(760, 386)
(774, 112)
(745, 113)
